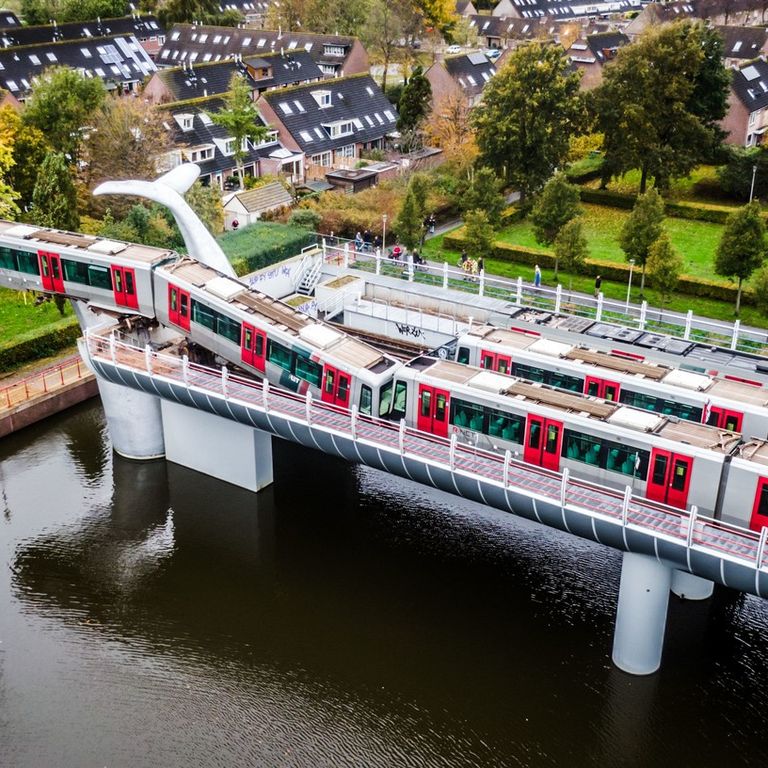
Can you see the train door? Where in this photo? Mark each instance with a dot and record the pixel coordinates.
(496, 362)
(760, 509)
(335, 387)
(50, 272)
(543, 440)
(669, 478)
(124, 286)
(178, 307)
(723, 418)
(607, 390)
(253, 347)
(433, 410)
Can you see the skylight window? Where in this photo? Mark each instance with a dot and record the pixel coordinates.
(389, 115)
(246, 41)
(88, 54)
(203, 38)
(299, 105)
(285, 107)
(51, 56)
(306, 135)
(34, 59)
(262, 42)
(369, 90)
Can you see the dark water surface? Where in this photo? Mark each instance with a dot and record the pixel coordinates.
(150, 616)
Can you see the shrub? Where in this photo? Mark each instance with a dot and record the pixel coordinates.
(304, 217)
(33, 347)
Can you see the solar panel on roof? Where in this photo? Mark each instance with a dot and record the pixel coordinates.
(477, 58)
(750, 72)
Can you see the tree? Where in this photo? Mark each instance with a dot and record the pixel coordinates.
(642, 229)
(339, 17)
(414, 101)
(29, 148)
(742, 246)
(450, 128)
(760, 289)
(54, 200)
(660, 101)
(61, 105)
(571, 248)
(464, 32)
(484, 194)
(8, 196)
(125, 145)
(664, 267)
(478, 234)
(409, 222)
(440, 14)
(735, 177)
(382, 32)
(204, 11)
(557, 204)
(529, 112)
(206, 203)
(286, 15)
(42, 11)
(240, 118)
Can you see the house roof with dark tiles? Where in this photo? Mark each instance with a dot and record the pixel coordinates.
(204, 132)
(742, 42)
(750, 84)
(565, 9)
(264, 198)
(505, 26)
(9, 20)
(246, 7)
(118, 59)
(211, 43)
(141, 26)
(356, 100)
(605, 44)
(471, 71)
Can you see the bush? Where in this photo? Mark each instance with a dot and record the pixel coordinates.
(33, 347)
(262, 244)
(304, 217)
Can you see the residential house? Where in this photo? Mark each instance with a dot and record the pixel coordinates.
(144, 28)
(333, 122)
(248, 206)
(747, 118)
(254, 12)
(8, 19)
(742, 44)
(590, 54)
(465, 8)
(263, 73)
(563, 9)
(335, 55)
(654, 14)
(119, 61)
(8, 99)
(505, 31)
(461, 77)
(197, 139)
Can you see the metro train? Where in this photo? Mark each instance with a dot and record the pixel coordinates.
(673, 461)
(727, 402)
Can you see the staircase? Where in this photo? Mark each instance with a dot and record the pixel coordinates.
(310, 275)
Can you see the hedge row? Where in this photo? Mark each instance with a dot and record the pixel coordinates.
(15, 353)
(609, 270)
(715, 214)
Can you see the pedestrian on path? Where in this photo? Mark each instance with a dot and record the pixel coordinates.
(598, 283)
(536, 276)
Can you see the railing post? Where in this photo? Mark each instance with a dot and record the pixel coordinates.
(481, 286)
(688, 323)
(346, 255)
(61, 374)
(308, 407)
(452, 452)
(519, 299)
(112, 350)
(148, 358)
(265, 393)
(378, 261)
(445, 274)
(353, 421)
(643, 311)
(761, 548)
(224, 379)
(558, 298)
(507, 462)
(599, 309)
(564, 486)
(185, 370)
(325, 247)
(625, 505)
(735, 337)
(691, 523)
(401, 437)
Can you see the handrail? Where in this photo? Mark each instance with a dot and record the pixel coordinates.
(43, 381)
(653, 517)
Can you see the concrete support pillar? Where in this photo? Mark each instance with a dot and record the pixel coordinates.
(690, 587)
(217, 447)
(134, 420)
(641, 616)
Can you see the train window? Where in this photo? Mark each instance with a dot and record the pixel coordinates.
(581, 447)
(99, 277)
(118, 278)
(762, 504)
(385, 399)
(660, 470)
(75, 271)
(426, 403)
(129, 289)
(366, 400)
(593, 388)
(463, 356)
(486, 361)
(258, 350)
(660, 405)
(225, 326)
(467, 415)
(343, 387)
(679, 474)
(279, 355)
(330, 378)
(615, 457)
(308, 370)
(505, 425)
(528, 372)
(203, 315)
(400, 400)
(6, 259)
(563, 381)
(440, 407)
(28, 262)
(174, 299)
(552, 433)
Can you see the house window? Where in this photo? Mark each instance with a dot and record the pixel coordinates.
(229, 147)
(752, 117)
(333, 50)
(341, 128)
(329, 69)
(346, 151)
(323, 98)
(186, 122)
(324, 158)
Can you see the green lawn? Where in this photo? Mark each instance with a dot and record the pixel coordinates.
(18, 319)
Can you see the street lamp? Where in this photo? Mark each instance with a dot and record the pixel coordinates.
(384, 233)
(629, 285)
(752, 188)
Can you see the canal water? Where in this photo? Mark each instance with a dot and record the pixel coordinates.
(150, 616)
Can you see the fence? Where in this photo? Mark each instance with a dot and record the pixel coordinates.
(70, 370)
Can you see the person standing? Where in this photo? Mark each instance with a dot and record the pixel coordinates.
(431, 223)
(598, 283)
(536, 276)
(481, 264)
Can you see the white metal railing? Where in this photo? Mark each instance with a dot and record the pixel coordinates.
(687, 527)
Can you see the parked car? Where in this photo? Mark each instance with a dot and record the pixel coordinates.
(492, 53)
(451, 49)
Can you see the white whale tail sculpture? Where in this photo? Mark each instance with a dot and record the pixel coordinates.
(168, 190)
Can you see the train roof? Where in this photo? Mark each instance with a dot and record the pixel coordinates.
(86, 244)
(275, 313)
(755, 451)
(534, 342)
(584, 406)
